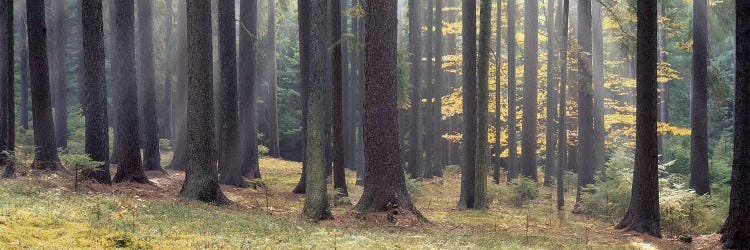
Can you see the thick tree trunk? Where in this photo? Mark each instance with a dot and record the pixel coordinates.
(7, 82)
(59, 76)
(304, 18)
(468, 169)
(114, 80)
(339, 176)
(23, 70)
(737, 227)
(498, 94)
(129, 168)
(429, 143)
(415, 164)
(248, 86)
(316, 199)
(179, 160)
(483, 93)
(562, 141)
(598, 79)
(151, 155)
(549, 160)
(201, 177)
(95, 103)
(45, 157)
(273, 110)
(586, 159)
(512, 133)
(165, 111)
(643, 213)
(440, 90)
(699, 101)
(385, 188)
(230, 170)
(530, 66)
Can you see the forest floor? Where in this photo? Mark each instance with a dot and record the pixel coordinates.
(44, 212)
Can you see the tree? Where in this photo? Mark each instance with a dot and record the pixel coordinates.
(316, 199)
(598, 79)
(530, 65)
(586, 159)
(512, 137)
(201, 177)
(440, 89)
(551, 98)
(642, 215)
(414, 166)
(562, 141)
(304, 19)
(498, 94)
(247, 87)
(179, 160)
(429, 126)
(483, 70)
(469, 56)
(129, 168)
(165, 128)
(273, 122)
(699, 102)
(23, 67)
(736, 230)
(113, 82)
(385, 184)
(339, 175)
(151, 155)
(230, 170)
(59, 72)
(7, 82)
(97, 131)
(45, 157)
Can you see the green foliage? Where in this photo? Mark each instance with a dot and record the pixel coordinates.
(451, 170)
(165, 145)
(522, 191)
(498, 194)
(262, 150)
(684, 212)
(416, 188)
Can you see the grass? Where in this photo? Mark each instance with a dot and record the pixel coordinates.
(42, 212)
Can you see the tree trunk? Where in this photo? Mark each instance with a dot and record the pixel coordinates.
(179, 160)
(201, 177)
(95, 103)
(736, 230)
(59, 75)
(642, 215)
(512, 133)
(440, 90)
(414, 167)
(586, 159)
(304, 18)
(248, 86)
(23, 54)
(7, 82)
(562, 141)
(468, 170)
(498, 94)
(530, 66)
(339, 176)
(316, 199)
(598, 79)
(151, 155)
(165, 127)
(129, 168)
(429, 143)
(549, 160)
(273, 110)
(699, 102)
(385, 188)
(483, 70)
(45, 157)
(114, 80)
(230, 170)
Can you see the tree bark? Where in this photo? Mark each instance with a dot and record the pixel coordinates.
(129, 168)
(440, 90)
(165, 113)
(549, 160)
(699, 101)
(483, 70)
(736, 230)
(114, 80)
(512, 133)
(179, 160)
(23, 54)
(468, 170)
(415, 164)
(201, 177)
(273, 110)
(59, 74)
(586, 159)
(598, 79)
(530, 66)
(151, 155)
(95, 92)
(247, 87)
(498, 94)
(429, 143)
(642, 215)
(45, 157)
(562, 141)
(304, 18)
(339, 175)
(7, 94)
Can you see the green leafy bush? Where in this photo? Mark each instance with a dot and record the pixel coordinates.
(522, 191)
(415, 187)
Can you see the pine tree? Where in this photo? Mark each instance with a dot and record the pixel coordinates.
(468, 170)
(530, 66)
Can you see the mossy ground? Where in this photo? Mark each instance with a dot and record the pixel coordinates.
(42, 212)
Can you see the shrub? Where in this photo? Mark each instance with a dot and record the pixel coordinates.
(262, 150)
(80, 163)
(523, 190)
(415, 187)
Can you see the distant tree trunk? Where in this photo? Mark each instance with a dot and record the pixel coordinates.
(429, 143)
(664, 93)
(273, 121)
(736, 230)
(179, 160)
(201, 177)
(129, 168)
(468, 170)
(359, 103)
(114, 80)
(7, 94)
(483, 70)
(440, 89)
(512, 133)
(562, 141)
(699, 101)
(304, 18)
(598, 79)
(79, 59)
(530, 66)
(586, 159)
(498, 93)
(642, 215)
(549, 161)
(165, 128)
(45, 157)
(151, 155)
(316, 200)
(385, 187)
(23, 70)
(339, 176)
(415, 132)
(230, 170)
(59, 73)
(247, 87)
(95, 104)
